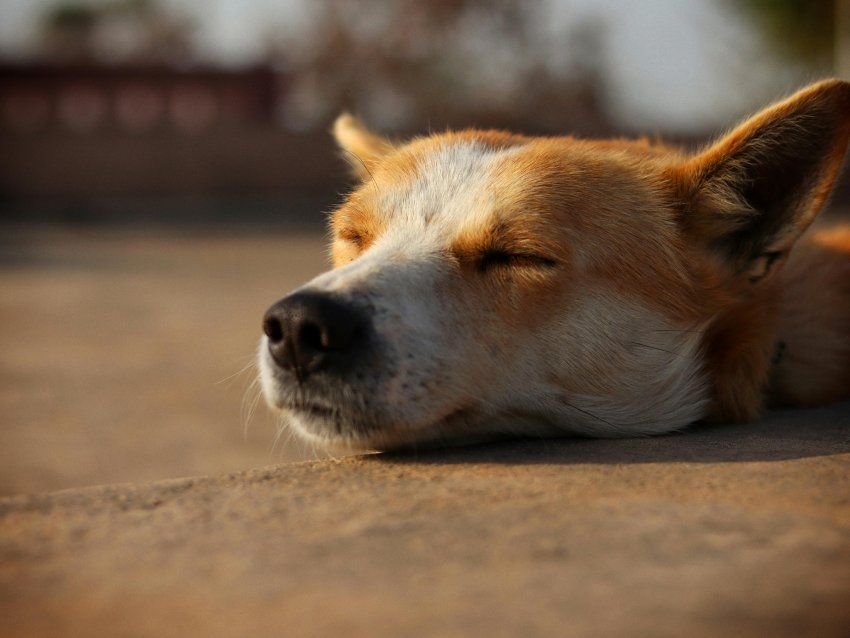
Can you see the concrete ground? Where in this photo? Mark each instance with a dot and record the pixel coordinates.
(122, 350)
(720, 531)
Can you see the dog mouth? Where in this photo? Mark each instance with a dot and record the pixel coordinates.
(343, 415)
(312, 409)
(326, 417)
(339, 428)
(332, 427)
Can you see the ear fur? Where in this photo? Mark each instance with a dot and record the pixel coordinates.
(750, 195)
(362, 148)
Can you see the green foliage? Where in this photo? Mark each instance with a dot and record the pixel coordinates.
(800, 30)
(70, 15)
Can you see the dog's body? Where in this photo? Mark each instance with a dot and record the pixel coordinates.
(489, 284)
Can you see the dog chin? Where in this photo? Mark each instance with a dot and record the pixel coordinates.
(329, 423)
(333, 430)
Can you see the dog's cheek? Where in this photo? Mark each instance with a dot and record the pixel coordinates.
(495, 337)
(428, 353)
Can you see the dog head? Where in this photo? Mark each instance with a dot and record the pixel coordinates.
(487, 284)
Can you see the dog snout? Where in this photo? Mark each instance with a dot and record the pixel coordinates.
(308, 332)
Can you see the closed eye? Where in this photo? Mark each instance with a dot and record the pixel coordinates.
(352, 236)
(494, 258)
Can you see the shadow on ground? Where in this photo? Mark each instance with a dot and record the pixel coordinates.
(780, 436)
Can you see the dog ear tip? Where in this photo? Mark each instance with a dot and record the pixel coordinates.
(835, 90)
(342, 121)
(836, 84)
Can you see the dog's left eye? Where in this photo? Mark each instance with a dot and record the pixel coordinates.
(492, 259)
(351, 235)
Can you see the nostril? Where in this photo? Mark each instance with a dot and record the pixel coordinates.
(312, 337)
(273, 329)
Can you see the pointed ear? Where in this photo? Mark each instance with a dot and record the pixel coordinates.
(362, 148)
(753, 193)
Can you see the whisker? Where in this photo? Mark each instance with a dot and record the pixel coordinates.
(252, 410)
(589, 413)
(251, 363)
(645, 345)
(249, 405)
(678, 331)
(281, 428)
(362, 163)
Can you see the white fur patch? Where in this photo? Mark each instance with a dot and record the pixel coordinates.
(453, 186)
(648, 377)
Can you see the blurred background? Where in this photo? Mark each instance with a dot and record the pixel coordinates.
(165, 170)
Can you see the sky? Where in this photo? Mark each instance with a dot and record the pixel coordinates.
(671, 64)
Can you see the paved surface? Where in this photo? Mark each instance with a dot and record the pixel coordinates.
(732, 531)
(121, 351)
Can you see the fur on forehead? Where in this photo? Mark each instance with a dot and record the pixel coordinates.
(603, 207)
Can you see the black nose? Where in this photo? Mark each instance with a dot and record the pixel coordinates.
(312, 331)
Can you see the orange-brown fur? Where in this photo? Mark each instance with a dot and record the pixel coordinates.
(565, 199)
(815, 321)
(805, 309)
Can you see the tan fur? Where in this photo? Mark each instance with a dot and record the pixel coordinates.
(648, 221)
(815, 321)
(363, 149)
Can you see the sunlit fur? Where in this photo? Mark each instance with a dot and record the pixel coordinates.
(547, 286)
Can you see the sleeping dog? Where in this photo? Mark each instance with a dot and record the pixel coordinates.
(488, 284)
